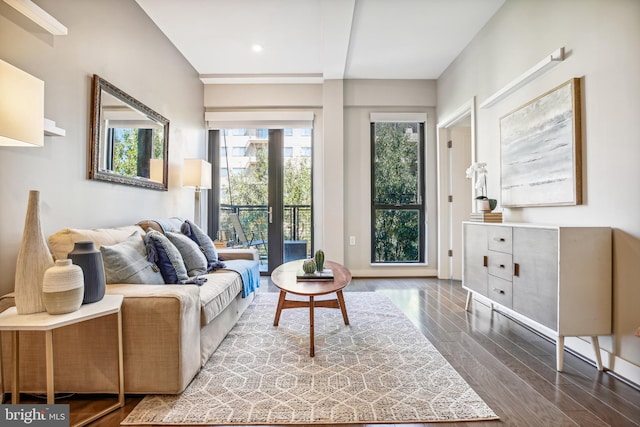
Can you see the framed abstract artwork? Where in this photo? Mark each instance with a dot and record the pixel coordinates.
(540, 150)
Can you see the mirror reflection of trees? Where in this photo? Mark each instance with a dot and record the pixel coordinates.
(128, 158)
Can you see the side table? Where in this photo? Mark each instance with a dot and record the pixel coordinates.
(11, 321)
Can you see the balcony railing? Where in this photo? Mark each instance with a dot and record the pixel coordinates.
(255, 220)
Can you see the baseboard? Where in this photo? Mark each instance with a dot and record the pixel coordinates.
(578, 346)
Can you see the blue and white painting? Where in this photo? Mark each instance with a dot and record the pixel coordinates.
(538, 151)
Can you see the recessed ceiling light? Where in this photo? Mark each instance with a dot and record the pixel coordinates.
(256, 48)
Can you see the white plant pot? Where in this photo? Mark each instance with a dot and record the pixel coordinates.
(482, 205)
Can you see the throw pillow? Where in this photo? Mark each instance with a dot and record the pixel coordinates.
(127, 262)
(194, 260)
(201, 238)
(167, 257)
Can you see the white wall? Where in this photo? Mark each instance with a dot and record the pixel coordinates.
(342, 161)
(117, 41)
(361, 98)
(602, 42)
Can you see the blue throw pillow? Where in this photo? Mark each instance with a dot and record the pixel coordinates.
(166, 256)
(202, 240)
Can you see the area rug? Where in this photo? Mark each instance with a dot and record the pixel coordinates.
(379, 369)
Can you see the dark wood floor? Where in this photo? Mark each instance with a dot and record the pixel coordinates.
(510, 367)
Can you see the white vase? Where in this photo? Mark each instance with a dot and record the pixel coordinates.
(34, 259)
(63, 287)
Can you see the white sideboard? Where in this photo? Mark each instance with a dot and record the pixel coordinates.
(558, 277)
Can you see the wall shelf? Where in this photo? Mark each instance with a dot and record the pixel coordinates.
(50, 129)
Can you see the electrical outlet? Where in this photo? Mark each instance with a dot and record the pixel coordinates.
(352, 240)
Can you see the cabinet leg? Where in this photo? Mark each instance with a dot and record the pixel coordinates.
(559, 353)
(468, 303)
(596, 348)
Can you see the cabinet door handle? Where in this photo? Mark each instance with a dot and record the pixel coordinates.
(485, 261)
(501, 266)
(500, 291)
(499, 239)
(516, 269)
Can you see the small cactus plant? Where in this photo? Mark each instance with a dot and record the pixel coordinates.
(319, 258)
(309, 266)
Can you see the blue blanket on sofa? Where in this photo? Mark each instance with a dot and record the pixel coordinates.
(248, 271)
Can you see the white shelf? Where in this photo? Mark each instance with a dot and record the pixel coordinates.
(50, 129)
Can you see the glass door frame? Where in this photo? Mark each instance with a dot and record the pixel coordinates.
(275, 207)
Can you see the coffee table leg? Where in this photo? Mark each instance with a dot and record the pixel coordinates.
(311, 332)
(283, 294)
(343, 307)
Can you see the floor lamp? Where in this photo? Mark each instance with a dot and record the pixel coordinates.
(197, 173)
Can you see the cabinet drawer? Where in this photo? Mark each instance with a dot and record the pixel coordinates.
(500, 291)
(501, 265)
(500, 239)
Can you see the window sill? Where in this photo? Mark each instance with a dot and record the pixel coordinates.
(399, 264)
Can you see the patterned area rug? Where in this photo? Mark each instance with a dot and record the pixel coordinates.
(380, 369)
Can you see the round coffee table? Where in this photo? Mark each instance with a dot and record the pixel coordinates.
(284, 277)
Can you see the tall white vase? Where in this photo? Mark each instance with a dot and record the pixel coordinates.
(34, 259)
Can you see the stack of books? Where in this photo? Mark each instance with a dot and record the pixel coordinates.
(486, 216)
(318, 276)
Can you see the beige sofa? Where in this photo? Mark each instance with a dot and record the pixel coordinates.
(169, 331)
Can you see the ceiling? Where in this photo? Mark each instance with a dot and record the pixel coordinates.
(316, 40)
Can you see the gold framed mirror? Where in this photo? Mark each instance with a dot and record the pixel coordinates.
(129, 141)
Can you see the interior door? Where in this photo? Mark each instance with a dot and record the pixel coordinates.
(460, 205)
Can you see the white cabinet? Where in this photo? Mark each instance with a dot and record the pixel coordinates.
(558, 277)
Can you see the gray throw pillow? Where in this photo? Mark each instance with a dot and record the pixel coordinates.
(127, 262)
(168, 258)
(201, 238)
(194, 260)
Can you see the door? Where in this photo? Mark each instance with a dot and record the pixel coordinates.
(460, 188)
(264, 192)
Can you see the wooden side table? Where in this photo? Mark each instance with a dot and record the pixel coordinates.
(11, 321)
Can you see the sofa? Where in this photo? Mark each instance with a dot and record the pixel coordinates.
(169, 330)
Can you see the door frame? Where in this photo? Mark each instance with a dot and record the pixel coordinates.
(466, 110)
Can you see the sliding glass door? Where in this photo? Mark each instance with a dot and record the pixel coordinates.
(263, 191)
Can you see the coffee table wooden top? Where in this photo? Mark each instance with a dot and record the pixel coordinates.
(284, 277)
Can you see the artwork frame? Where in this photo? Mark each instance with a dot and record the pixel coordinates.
(541, 150)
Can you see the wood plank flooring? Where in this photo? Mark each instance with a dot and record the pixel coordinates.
(509, 366)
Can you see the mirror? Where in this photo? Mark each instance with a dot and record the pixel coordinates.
(129, 141)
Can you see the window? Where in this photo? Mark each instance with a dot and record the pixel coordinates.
(288, 151)
(305, 151)
(397, 188)
(223, 151)
(306, 132)
(288, 132)
(239, 151)
(262, 133)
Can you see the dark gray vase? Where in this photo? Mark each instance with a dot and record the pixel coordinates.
(85, 255)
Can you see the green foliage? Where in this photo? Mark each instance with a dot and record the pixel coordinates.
(396, 165)
(396, 183)
(250, 188)
(125, 153)
(396, 236)
(125, 150)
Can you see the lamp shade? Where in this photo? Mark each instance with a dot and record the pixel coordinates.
(21, 108)
(156, 170)
(197, 173)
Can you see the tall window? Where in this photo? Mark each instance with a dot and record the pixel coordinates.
(397, 188)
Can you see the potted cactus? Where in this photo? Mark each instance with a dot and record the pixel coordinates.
(319, 258)
(309, 266)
